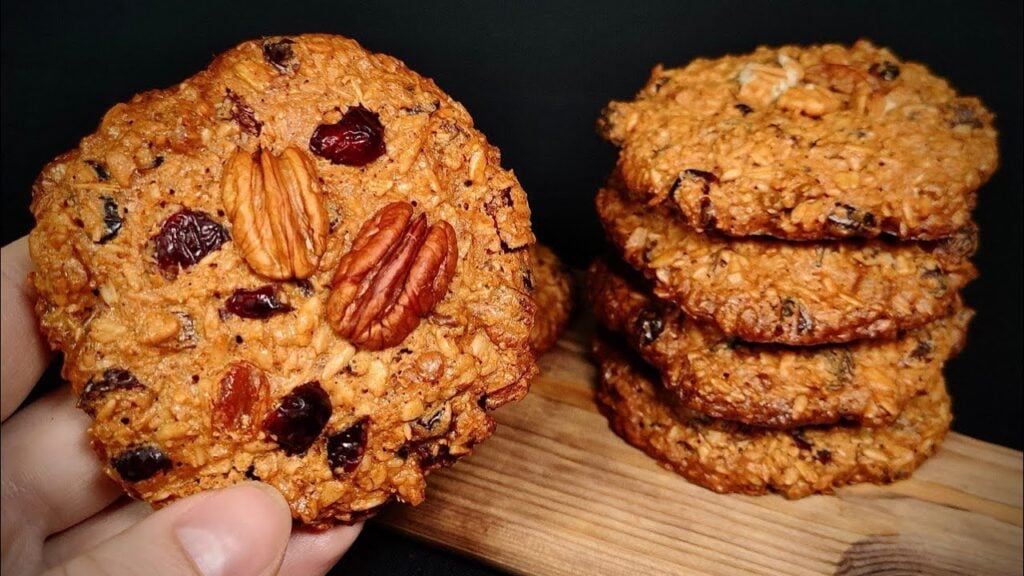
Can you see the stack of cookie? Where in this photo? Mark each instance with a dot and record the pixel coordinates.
(795, 225)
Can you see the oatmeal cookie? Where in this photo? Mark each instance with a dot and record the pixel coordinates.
(806, 143)
(769, 385)
(552, 291)
(302, 265)
(800, 293)
(726, 456)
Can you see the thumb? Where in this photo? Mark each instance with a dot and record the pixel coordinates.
(243, 529)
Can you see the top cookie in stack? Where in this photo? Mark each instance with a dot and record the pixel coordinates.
(801, 216)
(806, 144)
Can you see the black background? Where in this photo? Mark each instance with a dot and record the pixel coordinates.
(535, 75)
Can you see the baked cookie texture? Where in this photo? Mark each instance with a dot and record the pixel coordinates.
(806, 143)
(302, 265)
(726, 456)
(869, 382)
(553, 293)
(800, 293)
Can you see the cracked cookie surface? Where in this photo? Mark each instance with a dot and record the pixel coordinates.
(727, 456)
(186, 254)
(799, 293)
(869, 381)
(806, 143)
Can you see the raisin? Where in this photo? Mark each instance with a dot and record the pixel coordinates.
(963, 115)
(355, 140)
(824, 456)
(801, 441)
(921, 351)
(244, 115)
(241, 398)
(842, 366)
(648, 325)
(112, 379)
(101, 171)
(846, 219)
(707, 213)
(435, 424)
(887, 71)
(345, 449)
(433, 455)
(140, 462)
(185, 238)
(743, 108)
(279, 54)
(112, 220)
(256, 304)
(300, 417)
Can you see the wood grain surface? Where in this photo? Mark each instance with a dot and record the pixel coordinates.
(554, 491)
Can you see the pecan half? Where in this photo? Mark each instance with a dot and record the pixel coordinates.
(277, 213)
(396, 272)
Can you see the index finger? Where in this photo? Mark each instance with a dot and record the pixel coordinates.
(23, 353)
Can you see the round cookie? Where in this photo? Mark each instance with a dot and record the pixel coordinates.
(799, 293)
(302, 265)
(806, 143)
(552, 291)
(730, 457)
(769, 385)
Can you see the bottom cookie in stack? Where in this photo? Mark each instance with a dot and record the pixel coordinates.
(728, 456)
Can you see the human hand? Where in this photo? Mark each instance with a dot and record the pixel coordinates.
(61, 513)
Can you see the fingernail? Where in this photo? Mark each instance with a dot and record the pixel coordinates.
(238, 530)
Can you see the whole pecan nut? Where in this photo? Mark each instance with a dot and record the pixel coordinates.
(396, 272)
(277, 213)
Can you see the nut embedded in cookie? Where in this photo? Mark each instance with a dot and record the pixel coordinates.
(395, 273)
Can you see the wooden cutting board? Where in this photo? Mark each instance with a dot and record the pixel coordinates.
(554, 491)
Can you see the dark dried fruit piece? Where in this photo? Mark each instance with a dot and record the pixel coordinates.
(279, 53)
(922, 351)
(355, 140)
(112, 379)
(648, 325)
(887, 71)
(256, 304)
(845, 220)
(101, 171)
(824, 456)
(743, 108)
(963, 114)
(345, 449)
(299, 418)
(112, 220)
(140, 462)
(185, 238)
(241, 398)
(801, 441)
(244, 115)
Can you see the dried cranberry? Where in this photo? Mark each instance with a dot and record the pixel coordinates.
(345, 449)
(185, 238)
(300, 417)
(256, 304)
(355, 140)
(112, 220)
(648, 325)
(279, 54)
(140, 462)
(112, 379)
